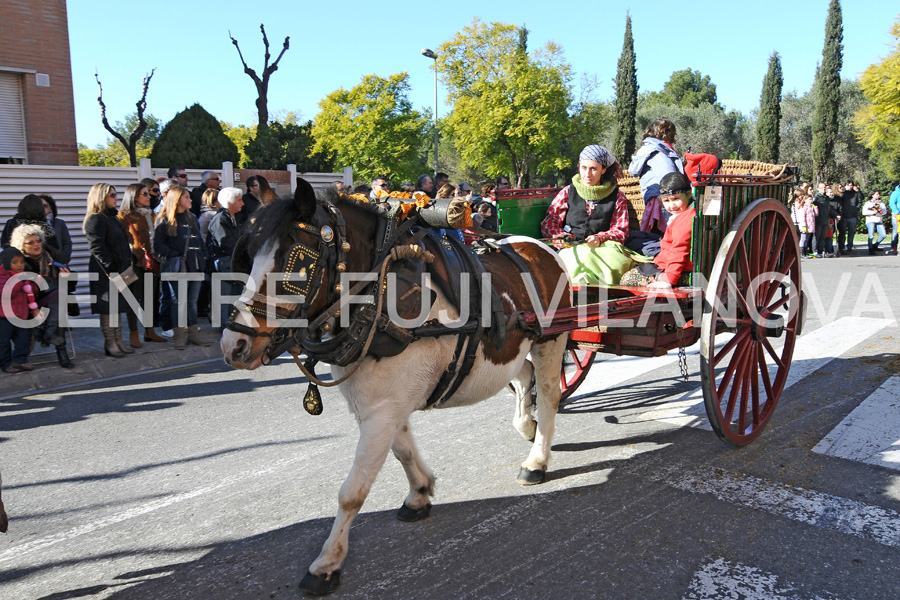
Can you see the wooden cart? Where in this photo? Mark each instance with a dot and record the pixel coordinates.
(745, 303)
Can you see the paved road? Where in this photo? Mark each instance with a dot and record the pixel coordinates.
(209, 483)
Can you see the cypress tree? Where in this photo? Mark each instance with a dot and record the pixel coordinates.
(626, 99)
(828, 93)
(193, 139)
(768, 135)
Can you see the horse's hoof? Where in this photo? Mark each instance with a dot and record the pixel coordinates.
(320, 585)
(411, 515)
(529, 477)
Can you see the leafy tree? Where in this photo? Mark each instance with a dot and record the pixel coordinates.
(626, 99)
(767, 126)
(703, 128)
(283, 144)
(796, 131)
(372, 127)
(827, 88)
(193, 139)
(878, 121)
(685, 88)
(241, 135)
(510, 109)
(851, 158)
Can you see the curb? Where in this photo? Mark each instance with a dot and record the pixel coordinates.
(92, 364)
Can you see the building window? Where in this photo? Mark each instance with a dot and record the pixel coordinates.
(13, 148)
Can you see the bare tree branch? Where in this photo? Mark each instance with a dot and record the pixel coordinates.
(262, 85)
(129, 144)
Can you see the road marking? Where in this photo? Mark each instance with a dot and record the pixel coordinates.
(871, 433)
(16, 551)
(722, 579)
(812, 351)
(611, 372)
(872, 523)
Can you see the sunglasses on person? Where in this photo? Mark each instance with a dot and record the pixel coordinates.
(181, 175)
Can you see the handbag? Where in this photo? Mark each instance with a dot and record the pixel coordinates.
(129, 276)
(150, 264)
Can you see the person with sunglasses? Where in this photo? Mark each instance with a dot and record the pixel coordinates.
(209, 180)
(137, 218)
(110, 253)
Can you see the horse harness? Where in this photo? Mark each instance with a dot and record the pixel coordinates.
(404, 248)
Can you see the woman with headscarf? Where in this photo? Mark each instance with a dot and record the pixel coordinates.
(110, 253)
(591, 216)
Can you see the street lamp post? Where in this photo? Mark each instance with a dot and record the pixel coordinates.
(430, 54)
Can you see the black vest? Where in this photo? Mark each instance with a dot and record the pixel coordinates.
(580, 224)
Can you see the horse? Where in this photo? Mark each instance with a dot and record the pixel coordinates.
(334, 235)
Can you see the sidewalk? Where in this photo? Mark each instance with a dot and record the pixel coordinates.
(92, 363)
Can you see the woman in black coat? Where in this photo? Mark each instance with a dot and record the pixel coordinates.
(31, 211)
(110, 253)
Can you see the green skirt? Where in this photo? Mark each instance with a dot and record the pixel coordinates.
(604, 264)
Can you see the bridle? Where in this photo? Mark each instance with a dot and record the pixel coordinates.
(307, 264)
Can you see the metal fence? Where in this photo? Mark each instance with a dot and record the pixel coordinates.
(69, 187)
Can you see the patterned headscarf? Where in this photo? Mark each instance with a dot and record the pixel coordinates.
(598, 154)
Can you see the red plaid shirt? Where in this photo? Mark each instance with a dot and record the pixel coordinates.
(553, 225)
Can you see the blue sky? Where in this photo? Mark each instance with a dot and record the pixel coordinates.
(335, 45)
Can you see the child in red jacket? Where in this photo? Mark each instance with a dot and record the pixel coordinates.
(16, 300)
(672, 266)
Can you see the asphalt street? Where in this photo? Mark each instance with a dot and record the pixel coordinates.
(207, 483)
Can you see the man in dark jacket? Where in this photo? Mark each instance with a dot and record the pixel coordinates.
(826, 212)
(209, 180)
(851, 201)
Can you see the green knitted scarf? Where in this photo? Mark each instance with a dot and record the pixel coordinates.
(592, 192)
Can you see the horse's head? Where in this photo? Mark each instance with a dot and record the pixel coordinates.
(293, 253)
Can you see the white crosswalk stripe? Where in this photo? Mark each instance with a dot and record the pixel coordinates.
(813, 350)
(722, 579)
(871, 433)
(872, 523)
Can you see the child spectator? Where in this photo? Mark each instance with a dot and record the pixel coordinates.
(807, 214)
(21, 304)
(672, 266)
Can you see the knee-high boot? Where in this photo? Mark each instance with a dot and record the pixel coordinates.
(109, 339)
(62, 355)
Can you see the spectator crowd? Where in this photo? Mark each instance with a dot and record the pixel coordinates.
(163, 226)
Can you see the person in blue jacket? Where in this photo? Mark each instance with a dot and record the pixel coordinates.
(895, 218)
(654, 159)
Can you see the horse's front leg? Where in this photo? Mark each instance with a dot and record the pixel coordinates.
(376, 435)
(521, 386)
(417, 505)
(547, 358)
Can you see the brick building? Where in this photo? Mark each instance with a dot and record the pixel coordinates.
(37, 105)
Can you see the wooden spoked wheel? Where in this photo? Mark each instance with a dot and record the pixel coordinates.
(575, 367)
(753, 311)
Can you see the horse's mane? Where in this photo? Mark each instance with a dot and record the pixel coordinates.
(275, 220)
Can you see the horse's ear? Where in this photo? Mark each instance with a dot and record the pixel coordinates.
(305, 199)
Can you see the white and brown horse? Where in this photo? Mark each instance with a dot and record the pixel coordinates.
(383, 393)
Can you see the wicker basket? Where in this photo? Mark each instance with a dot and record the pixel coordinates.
(776, 173)
(631, 187)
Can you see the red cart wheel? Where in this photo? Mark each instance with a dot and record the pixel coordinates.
(575, 367)
(753, 301)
